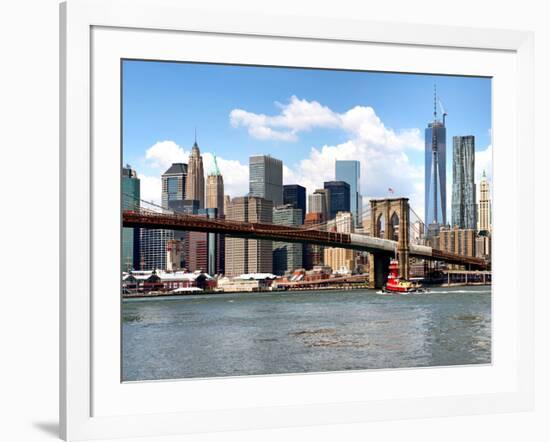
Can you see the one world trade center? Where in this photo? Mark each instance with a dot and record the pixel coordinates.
(435, 182)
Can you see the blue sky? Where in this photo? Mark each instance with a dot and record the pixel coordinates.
(305, 117)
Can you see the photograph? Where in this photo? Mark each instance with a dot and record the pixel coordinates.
(289, 220)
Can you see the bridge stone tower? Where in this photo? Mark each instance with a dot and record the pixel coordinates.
(390, 219)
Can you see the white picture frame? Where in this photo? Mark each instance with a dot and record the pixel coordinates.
(95, 405)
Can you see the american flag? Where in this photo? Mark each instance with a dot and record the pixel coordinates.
(390, 190)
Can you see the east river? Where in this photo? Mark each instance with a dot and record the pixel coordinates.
(308, 331)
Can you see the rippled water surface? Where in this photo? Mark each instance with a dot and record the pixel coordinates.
(296, 332)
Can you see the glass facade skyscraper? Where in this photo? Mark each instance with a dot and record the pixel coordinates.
(464, 213)
(266, 178)
(350, 172)
(173, 183)
(339, 197)
(287, 256)
(435, 176)
(296, 195)
(130, 254)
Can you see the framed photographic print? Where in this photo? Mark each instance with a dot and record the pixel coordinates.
(283, 221)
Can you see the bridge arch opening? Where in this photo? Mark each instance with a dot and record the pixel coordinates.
(394, 225)
(380, 226)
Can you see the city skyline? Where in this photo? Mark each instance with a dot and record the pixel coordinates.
(308, 132)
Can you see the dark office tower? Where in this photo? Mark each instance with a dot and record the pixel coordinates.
(173, 183)
(350, 172)
(287, 256)
(130, 235)
(202, 249)
(215, 246)
(188, 207)
(464, 188)
(296, 195)
(266, 178)
(435, 181)
(339, 197)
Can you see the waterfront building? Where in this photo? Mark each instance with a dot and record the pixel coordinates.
(159, 280)
(246, 283)
(266, 178)
(484, 224)
(464, 188)
(287, 256)
(313, 253)
(339, 197)
(248, 255)
(296, 195)
(130, 254)
(194, 186)
(350, 172)
(435, 176)
(214, 190)
(455, 240)
(173, 184)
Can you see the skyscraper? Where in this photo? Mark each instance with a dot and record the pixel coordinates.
(319, 202)
(464, 188)
(350, 172)
(296, 195)
(339, 197)
(214, 190)
(484, 205)
(248, 255)
(194, 186)
(341, 260)
(435, 177)
(266, 178)
(313, 253)
(130, 235)
(173, 183)
(153, 246)
(287, 256)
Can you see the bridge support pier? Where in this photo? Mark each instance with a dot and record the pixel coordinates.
(379, 268)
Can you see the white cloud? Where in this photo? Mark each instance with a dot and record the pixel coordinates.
(150, 188)
(484, 162)
(380, 170)
(163, 153)
(300, 115)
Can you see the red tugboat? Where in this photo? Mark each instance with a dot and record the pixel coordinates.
(396, 285)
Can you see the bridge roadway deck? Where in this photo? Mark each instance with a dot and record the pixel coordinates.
(152, 220)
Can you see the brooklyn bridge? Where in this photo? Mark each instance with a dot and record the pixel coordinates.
(389, 237)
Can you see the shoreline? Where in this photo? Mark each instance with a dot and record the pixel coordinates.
(214, 293)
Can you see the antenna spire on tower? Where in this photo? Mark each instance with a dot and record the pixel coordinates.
(435, 102)
(216, 168)
(195, 135)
